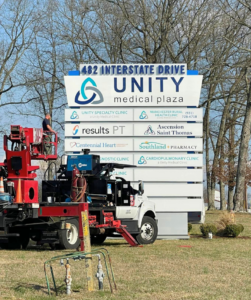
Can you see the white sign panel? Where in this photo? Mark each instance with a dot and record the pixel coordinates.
(122, 158)
(133, 91)
(168, 160)
(99, 129)
(133, 70)
(172, 189)
(169, 175)
(94, 114)
(168, 114)
(168, 144)
(126, 173)
(177, 204)
(168, 129)
(95, 144)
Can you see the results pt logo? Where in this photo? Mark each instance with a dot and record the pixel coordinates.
(89, 88)
(75, 130)
(100, 130)
(103, 130)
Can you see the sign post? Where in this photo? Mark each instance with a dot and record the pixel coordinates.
(87, 243)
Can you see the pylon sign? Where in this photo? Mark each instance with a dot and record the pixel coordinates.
(148, 115)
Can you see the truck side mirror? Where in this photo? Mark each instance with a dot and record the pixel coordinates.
(141, 187)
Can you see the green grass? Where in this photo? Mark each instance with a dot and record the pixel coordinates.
(209, 269)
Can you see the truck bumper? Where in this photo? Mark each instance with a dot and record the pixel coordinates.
(132, 225)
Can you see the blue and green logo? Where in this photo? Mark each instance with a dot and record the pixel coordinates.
(142, 161)
(143, 115)
(89, 88)
(74, 115)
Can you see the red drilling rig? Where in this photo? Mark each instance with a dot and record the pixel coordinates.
(23, 217)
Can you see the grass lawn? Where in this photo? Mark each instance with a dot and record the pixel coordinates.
(209, 269)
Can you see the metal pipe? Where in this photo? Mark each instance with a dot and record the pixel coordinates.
(100, 274)
(80, 256)
(68, 278)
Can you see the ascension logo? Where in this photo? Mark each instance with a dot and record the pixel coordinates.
(143, 115)
(149, 131)
(89, 88)
(74, 115)
(142, 161)
(75, 130)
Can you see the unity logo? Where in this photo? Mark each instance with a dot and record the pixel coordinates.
(142, 161)
(143, 115)
(149, 131)
(74, 115)
(75, 130)
(89, 88)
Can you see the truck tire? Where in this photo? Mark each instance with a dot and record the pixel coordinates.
(68, 238)
(98, 239)
(148, 231)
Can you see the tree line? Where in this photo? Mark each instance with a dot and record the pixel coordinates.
(41, 40)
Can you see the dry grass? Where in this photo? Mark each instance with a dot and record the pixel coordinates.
(210, 269)
(225, 218)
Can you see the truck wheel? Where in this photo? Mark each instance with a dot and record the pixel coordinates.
(98, 239)
(68, 238)
(148, 231)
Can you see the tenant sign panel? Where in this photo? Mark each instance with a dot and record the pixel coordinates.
(98, 114)
(154, 159)
(97, 144)
(168, 129)
(168, 114)
(99, 129)
(167, 144)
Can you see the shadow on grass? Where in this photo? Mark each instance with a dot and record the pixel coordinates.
(22, 288)
(110, 244)
(38, 248)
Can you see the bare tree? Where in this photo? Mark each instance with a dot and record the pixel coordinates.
(17, 27)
